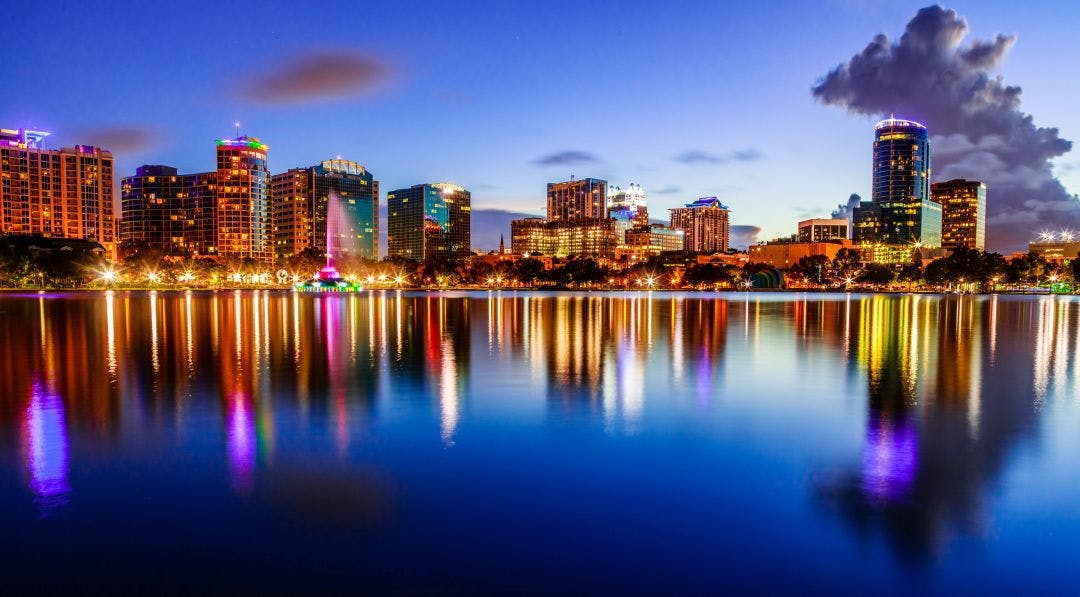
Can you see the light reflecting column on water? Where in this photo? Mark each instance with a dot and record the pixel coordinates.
(45, 441)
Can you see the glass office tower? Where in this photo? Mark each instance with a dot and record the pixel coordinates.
(426, 220)
(902, 211)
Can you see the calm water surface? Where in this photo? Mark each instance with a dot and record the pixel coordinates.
(539, 442)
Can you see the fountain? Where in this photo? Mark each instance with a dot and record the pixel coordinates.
(328, 279)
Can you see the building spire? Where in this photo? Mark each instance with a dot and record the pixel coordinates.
(502, 244)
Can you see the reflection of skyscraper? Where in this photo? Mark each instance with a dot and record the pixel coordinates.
(932, 444)
(301, 199)
(428, 219)
(902, 211)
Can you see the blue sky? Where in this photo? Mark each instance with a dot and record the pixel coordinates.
(480, 91)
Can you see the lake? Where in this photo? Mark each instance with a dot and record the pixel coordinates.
(458, 442)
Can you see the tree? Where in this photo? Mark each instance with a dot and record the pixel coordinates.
(877, 273)
(811, 269)
(709, 274)
(527, 271)
(845, 265)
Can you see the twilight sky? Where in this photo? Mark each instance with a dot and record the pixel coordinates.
(686, 98)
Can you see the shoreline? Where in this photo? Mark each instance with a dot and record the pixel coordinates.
(531, 289)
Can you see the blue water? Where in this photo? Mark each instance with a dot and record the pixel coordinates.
(538, 442)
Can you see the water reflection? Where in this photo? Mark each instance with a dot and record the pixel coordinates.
(947, 387)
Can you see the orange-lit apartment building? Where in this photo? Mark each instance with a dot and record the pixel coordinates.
(59, 193)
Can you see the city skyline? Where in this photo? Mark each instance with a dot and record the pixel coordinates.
(505, 136)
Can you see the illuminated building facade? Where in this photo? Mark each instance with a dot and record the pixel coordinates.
(628, 203)
(584, 198)
(59, 193)
(661, 238)
(167, 211)
(527, 237)
(593, 237)
(822, 229)
(425, 220)
(786, 254)
(705, 223)
(963, 204)
(902, 211)
(302, 204)
(244, 227)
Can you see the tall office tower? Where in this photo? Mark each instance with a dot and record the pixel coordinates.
(705, 223)
(167, 211)
(902, 211)
(244, 221)
(427, 220)
(963, 205)
(577, 199)
(64, 193)
(629, 202)
(336, 197)
(818, 230)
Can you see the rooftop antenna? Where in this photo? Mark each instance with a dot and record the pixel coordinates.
(237, 125)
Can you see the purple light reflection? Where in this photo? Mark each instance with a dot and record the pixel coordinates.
(46, 446)
(241, 440)
(890, 458)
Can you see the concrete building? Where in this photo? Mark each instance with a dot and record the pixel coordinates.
(963, 205)
(244, 225)
(786, 254)
(822, 229)
(168, 211)
(57, 193)
(705, 223)
(584, 198)
(593, 237)
(629, 203)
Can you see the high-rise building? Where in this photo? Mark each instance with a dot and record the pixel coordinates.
(584, 198)
(167, 211)
(822, 229)
(963, 205)
(339, 192)
(591, 237)
(426, 220)
(629, 203)
(244, 224)
(705, 223)
(62, 193)
(902, 210)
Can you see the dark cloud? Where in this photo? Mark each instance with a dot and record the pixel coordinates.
(318, 76)
(978, 130)
(743, 235)
(698, 156)
(119, 139)
(569, 157)
(844, 209)
(668, 190)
